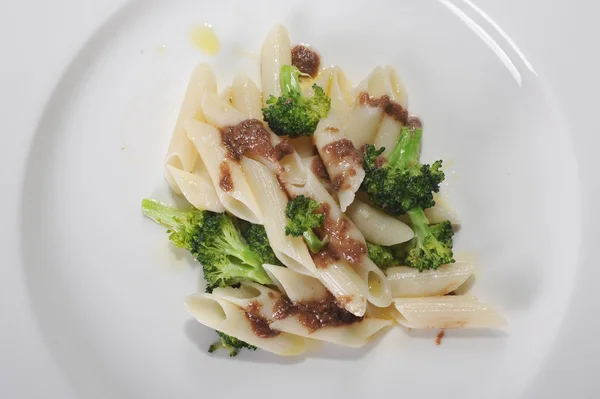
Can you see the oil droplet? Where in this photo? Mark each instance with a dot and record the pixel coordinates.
(204, 38)
(160, 50)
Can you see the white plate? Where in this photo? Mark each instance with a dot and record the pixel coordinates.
(92, 293)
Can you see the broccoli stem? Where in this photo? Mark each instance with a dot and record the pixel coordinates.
(420, 223)
(163, 213)
(290, 79)
(408, 146)
(314, 243)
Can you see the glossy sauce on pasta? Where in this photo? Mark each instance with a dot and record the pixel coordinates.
(315, 314)
(343, 151)
(389, 106)
(251, 136)
(306, 60)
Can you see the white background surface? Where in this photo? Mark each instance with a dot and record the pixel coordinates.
(41, 39)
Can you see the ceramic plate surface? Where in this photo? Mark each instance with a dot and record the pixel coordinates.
(92, 292)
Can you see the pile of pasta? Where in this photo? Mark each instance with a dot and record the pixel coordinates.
(259, 189)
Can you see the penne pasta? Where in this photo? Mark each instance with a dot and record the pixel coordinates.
(227, 176)
(275, 53)
(340, 279)
(275, 308)
(224, 316)
(291, 251)
(221, 115)
(341, 159)
(322, 80)
(197, 189)
(446, 312)
(389, 83)
(226, 94)
(361, 125)
(377, 226)
(246, 97)
(408, 282)
(297, 287)
(340, 92)
(181, 154)
(347, 244)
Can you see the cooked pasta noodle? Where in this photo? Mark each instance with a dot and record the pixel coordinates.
(181, 154)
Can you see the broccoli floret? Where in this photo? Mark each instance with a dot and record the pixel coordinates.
(382, 256)
(292, 114)
(401, 183)
(214, 240)
(432, 245)
(301, 220)
(256, 237)
(232, 344)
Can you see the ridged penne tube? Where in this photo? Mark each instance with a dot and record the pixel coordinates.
(222, 114)
(342, 160)
(339, 278)
(227, 176)
(340, 92)
(226, 94)
(224, 316)
(408, 282)
(387, 134)
(377, 226)
(398, 91)
(272, 201)
(353, 335)
(246, 97)
(439, 213)
(198, 189)
(181, 154)
(361, 125)
(389, 129)
(275, 53)
(298, 287)
(446, 312)
(348, 243)
(323, 80)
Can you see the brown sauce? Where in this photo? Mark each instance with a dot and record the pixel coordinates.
(388, 106)
(341, 244)
(414, 122)
(260, 324)
(251, 136)
(315, 315)
(324, 257)
(306, 60)
(343, 149)
(225, 180)
(438, 339)
(283, 149)
(318, 168)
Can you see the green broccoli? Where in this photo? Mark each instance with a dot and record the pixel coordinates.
(257, 240)
(292, 114)
(230, 343)
(401, 183)
(214, 240)
(382, 256)
(301, 220)
(432, 245)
